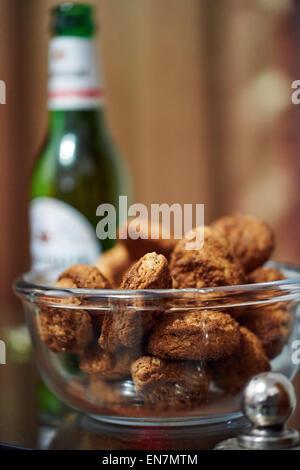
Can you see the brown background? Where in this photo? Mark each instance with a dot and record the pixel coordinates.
(199, 102)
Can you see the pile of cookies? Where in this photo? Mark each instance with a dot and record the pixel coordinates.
(174, 358)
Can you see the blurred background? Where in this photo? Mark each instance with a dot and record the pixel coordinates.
(199, 101)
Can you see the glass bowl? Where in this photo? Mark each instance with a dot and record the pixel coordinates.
(188, 371)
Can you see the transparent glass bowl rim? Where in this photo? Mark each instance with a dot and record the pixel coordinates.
(209, 297)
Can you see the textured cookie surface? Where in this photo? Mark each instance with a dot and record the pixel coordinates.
(63, 329)
(127, 327)
(265, 275)
(212, 265)
(149, 272)
(85, 277)
(109, 339)
(103, 365)
(271, 324)
(232, 373)
(169, 384)
(71, 330)
(200, 335)
(251, 240)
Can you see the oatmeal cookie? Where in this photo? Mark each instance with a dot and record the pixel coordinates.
(211, 266)
(232, 373)
(199, 335)
(250, 239)
(169, 384)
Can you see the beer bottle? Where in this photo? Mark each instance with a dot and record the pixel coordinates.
(78, 168)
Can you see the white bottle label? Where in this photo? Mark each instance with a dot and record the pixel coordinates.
(60, 235)
(75, 81)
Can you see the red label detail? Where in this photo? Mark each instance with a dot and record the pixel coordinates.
(77, 93)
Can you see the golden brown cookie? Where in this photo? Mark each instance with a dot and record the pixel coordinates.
(211, 266)
(232, 373)
(271, 324)
(85, 277)
(251, 240)
(127, 327)
(109, 339)
(149, 272)
(88, 277)
(169, 384)
(265, 275)
(114, 263)
(63, 329)
(107, 366)
(153, 237)
(199, 335)
(71, 330)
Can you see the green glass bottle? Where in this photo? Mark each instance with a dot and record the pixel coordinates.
(78, 168)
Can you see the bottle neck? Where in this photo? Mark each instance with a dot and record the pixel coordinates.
(75, 81)
(84, 122)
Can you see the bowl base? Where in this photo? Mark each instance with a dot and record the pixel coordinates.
(86, 432)
(230, 421)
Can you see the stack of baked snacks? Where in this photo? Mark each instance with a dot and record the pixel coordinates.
(173, 358)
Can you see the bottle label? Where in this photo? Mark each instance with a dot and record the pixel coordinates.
(75, 81)
(60, 235)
